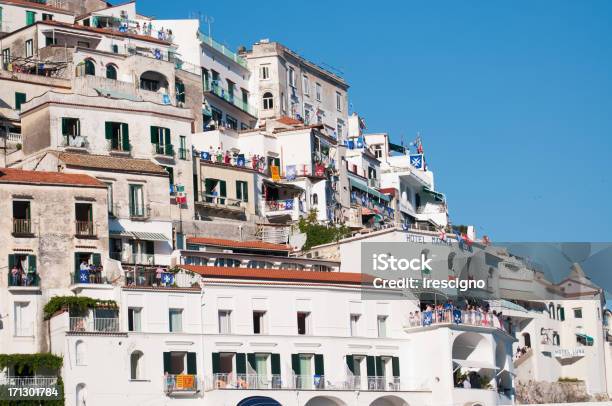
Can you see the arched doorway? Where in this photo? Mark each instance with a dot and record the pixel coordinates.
(154, 82)
(389, 400)
(325, 401)
(258, 401)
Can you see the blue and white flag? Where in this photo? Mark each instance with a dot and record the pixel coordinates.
(241, 161)
(416, 160)
(291, 172)
(205, 156)
(427, 318)
(457, 316)
(289, 204)
(83, 275)
(167, 278)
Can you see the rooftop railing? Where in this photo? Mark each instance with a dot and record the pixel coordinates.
(222, 49)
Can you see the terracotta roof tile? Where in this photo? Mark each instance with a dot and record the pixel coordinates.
(260, 245)
(112, 163)
(11, 175)
(289, 121)
(278, 274)
(39, 6)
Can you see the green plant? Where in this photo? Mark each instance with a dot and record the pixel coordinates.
(75, 303)
(19, 146)
(318, 234)
(568, 379)
(34, 361)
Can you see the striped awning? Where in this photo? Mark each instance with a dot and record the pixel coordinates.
(363, 186)
(141, 235)
(121, 233)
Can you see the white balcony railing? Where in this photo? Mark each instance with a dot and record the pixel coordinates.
(383, 383)
(28, 381)
(246, 381)
(465, 317)
(94, 325)
(180, 383)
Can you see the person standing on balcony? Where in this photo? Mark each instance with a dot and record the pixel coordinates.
(15, 275)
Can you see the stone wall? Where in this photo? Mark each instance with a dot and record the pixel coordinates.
(529, 393)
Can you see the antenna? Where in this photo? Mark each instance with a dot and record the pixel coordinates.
(210, 21)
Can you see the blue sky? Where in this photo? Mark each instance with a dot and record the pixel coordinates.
(513, 99)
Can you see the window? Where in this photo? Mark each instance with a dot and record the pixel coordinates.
(49, 41)
(83, 216)
(109, 198)
(30, 17)
(578, 313)
(175, 317)
(136, 365)
(264, 72)
(47, 17)
(115, 48)
(291, 265)
(111, 72)
(227, 262)
(161, 138)
(382, 326)
(355, 324)
(71, 126)
(117, 136)
(260, 264)
(134, 318)
(259, 322)
(318, 94)
(225, 321)
(20, 98)
(80, 352)
(22, 217)
(338, 101)
(90, 67)
(23, 322)
(315, 199)
(136, 201)
(291, 74)
(179, 87)
(231, 122)
(242, 190)
(178, 362)
(83, 44)
(29, 48)
(305, 85)
(303, 323)
(340, 129)
(6, 57)
(183, 147)
(268, 101)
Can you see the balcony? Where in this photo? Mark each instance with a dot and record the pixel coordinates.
(164, 151)
(94, 325)
(285, 207)
(11, 137)
(246, 381)
(92, 276)
(231, 98)
(29, 381)
(205, 39)
(78, 142)
(117, 148)
(85, 229)
(455, 317)
(127, 257)
(23, 279)
(184, 383)
(22, 227)
(221, 203)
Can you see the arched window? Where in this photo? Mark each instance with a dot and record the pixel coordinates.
(315, 199)
(290, 265)
(268, 101)
(80, 349)
(260, 264)
(81, 395)
(526, 340)
(228, 262)
(90, 67)
(111, 71)
(136, 367)
(115, 48)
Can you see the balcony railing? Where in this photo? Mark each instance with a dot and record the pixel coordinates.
(139, 211)
(246, 381)
(23, 278)
(315, 382)
(165, 150)
(231, 98)
(22, 226)
(11, 137)
(94, 325)
(136, 259)
(28, 381)
(70, 141)
(223, 49)
(383, 383)
(85, 228)
(149, 277)
(459, 317)
(221, 201)
(285, 205)
(113, 146)
(180, 383)
(91, 276)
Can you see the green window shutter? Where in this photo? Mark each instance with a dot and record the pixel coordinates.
(295, 363)
(222, 189)
(216, 362)
(167, 138)
(126, 137)
(251, 361)
(154, 135)
(370, 366)
(96, 259)
(245, 192)
(64, 126)
(108, 130)
(167, 361)
(192, 368)
(379, 367)
(241, 363)
(276, 364)
(562, 314)
(350, 363)
(32, 263)
(20, 98)
(76, 264)
(11, 261)
(395, 366)
(30, 17)
(238, 190)
(319, 364)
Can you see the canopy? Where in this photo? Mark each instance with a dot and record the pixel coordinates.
(467, 363)
(289, 186)
(588, 340)
(361, 185)
(397, 148)
(437, 195)
(138, 235)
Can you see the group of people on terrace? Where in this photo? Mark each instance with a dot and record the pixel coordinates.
(20, 277)
(476, 315)
(89, 273)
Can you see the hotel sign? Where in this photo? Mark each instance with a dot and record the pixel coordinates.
(568, 353)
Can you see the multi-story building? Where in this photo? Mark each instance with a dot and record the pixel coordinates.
(286, 84)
